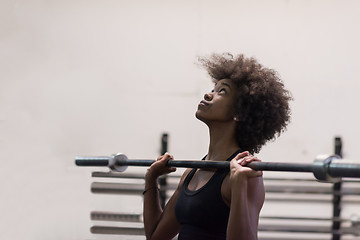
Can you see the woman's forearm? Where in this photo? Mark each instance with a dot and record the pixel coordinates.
(242, 220)
(158, 223)
(152, 209)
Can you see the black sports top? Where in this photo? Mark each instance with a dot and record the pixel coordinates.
(203, 214)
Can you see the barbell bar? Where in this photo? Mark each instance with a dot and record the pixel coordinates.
(325, 167)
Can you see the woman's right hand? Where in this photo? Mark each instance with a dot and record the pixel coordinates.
(238, 168)
(159, 167)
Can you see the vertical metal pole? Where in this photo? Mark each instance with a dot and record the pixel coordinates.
(162, 179)
(336, 226)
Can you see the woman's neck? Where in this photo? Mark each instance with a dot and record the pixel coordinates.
(222, 142)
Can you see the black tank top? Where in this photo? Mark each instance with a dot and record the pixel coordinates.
(203, 214)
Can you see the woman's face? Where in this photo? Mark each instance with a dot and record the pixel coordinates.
(218, 105)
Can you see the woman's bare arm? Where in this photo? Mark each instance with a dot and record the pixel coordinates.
(160, 223)
(246, 199)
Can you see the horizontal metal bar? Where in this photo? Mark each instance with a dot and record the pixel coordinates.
(118, 217)
(264, 166)
(112, 174)
(294, 228)
(324, 168)
(138, 188)
(304, 218)
(262, 228)
(137, 218)
(92, 161)
(117, 230)
(116, 188)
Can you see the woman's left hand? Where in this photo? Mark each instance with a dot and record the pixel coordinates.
(238, 167)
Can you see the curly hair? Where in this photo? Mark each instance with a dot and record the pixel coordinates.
(262, 103)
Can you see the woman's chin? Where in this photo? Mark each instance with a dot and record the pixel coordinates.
(198, 116)
(201, 118)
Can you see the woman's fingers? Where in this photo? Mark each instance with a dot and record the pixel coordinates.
(246, 160)
(242, 155)
(239, 165)
(160, 165)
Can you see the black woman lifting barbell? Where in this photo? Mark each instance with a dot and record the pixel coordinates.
(248, 106)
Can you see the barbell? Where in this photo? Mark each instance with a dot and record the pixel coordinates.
(325, 167)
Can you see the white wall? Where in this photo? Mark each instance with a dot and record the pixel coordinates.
(99, 77)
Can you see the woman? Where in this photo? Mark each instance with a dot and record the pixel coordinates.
(247, 107)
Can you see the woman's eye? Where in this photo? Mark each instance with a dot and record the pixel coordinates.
(223, 90)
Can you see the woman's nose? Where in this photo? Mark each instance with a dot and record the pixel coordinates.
(208, 96)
